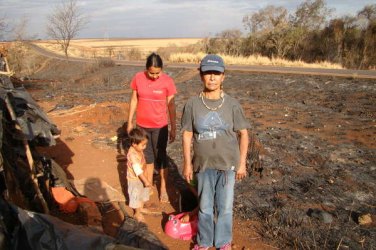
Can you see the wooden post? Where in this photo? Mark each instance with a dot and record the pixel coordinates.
(6, 65)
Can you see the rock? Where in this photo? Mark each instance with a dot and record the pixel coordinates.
(365, 219)
(320, 215)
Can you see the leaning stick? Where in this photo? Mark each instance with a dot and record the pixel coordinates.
(7, 65)
(28, 155)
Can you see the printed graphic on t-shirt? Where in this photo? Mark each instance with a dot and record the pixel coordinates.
(210, 126)
(158, 91)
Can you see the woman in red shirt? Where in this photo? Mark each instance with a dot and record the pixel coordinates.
(153, 102)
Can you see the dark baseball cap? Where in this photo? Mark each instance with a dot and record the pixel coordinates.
(212, 63)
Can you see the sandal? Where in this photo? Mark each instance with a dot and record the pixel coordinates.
(152, 190)
(163, 198)
(150, 205)
(149, 212)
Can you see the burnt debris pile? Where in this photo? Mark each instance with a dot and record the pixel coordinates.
(24, 126)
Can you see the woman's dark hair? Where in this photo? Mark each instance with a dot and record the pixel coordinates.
(137, 135)
(154, 60)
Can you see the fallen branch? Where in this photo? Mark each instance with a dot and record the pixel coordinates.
(29, 156)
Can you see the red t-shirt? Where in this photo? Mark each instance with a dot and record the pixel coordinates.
(151, 109)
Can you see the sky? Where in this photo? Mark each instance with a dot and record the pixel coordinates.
(156, 18)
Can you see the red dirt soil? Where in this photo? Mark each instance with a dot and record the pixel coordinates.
(82, 159)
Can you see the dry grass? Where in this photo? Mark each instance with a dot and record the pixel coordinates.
(116, 48)
(137, 49)
(252, 60)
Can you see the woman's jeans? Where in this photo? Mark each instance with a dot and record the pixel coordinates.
(216, 194)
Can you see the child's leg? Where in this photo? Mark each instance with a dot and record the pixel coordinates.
(163, 191)
(138, 214)
(137, 196)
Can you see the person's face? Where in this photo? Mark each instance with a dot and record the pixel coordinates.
(140, 147)
(153, 72)
(212, 80)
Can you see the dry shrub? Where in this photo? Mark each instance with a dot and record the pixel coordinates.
(255, 155)
(250, 60)
(186, 57)
(16, 55)
(134, 54)
(104, 62)
(171, 49)
(99, 63)
(21, 60)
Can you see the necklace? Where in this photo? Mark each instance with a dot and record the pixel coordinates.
(212, 109)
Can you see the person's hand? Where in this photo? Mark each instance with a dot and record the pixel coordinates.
(241, 173)
(186, 218)
(172, 135)
(188, 173)
(129, 127)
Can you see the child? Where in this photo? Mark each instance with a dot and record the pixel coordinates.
(138, 184)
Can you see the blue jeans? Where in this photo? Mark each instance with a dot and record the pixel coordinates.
(216, 194)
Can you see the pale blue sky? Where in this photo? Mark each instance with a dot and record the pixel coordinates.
(157, 18)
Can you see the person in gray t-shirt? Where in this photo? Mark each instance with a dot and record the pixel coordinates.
(215, 124)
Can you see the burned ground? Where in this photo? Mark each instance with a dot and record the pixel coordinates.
(316, 137)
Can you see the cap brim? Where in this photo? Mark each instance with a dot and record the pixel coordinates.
(212, 68)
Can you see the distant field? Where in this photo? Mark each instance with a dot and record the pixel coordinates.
(138, 49)
(116, 47)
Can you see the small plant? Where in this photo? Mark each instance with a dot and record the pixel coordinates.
(105, 62)
(134, 54)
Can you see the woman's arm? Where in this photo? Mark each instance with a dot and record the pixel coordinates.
(187, 168)
(243, 147)
(132, 110)
(172, 114)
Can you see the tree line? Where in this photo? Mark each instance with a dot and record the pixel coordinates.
(307, 34)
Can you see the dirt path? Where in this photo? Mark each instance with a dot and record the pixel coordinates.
(87, 152)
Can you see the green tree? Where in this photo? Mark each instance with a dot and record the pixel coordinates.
(230, 42)
(311, 15)
(268, 27)
(265, 20)
(369, 36)
(308, 19)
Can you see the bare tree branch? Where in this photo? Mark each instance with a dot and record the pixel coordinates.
(65, 23)
(3, 26)
(20, 30)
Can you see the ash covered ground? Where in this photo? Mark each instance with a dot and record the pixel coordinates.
(316, 183)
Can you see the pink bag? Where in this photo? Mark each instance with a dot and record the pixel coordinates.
(181, 230)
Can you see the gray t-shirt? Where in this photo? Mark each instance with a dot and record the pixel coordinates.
(215, 142)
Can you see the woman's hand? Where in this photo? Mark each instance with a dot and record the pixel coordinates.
(241, 173)
(188, 172)
(129, 127)
(172, 135)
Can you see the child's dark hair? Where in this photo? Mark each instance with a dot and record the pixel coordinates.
(154, 60)
(137, 135)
